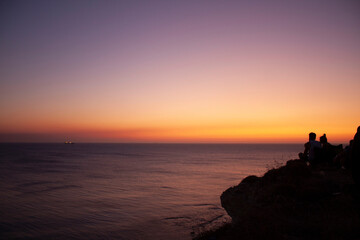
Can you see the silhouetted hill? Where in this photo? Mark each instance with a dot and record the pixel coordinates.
(294, 201)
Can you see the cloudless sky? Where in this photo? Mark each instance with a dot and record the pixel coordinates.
(179, 71)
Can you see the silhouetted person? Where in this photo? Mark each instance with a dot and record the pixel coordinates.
(323, 139)
(311, 147)
(343, 159)
(355, 158)
(328, 151)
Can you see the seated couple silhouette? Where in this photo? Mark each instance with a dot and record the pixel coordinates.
(317, 152)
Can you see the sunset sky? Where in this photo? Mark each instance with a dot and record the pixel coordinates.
(179, 71)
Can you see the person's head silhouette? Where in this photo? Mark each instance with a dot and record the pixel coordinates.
(323, 139)
(312, 136)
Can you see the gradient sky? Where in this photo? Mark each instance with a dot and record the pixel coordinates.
(179, 71)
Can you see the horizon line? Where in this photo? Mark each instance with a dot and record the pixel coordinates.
(210, 143)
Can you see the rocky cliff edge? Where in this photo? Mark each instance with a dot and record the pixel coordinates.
(294, 201)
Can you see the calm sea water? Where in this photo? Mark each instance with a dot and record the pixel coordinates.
(123, 191)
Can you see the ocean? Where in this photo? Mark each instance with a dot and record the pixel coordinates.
(124, 191)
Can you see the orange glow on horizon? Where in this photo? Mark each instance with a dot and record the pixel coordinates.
(199, 134)
(185, 72)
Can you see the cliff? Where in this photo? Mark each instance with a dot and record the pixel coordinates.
(292, 202)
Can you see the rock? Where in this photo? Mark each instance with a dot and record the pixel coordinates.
(294, 202)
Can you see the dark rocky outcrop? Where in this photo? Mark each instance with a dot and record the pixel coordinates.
(292, 202)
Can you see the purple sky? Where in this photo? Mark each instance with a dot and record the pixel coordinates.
(171, 66)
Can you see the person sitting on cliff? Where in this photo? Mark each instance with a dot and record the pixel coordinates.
(328, 151)
(326, 148)
(309, 154)
(342, 159)
(355, 158)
